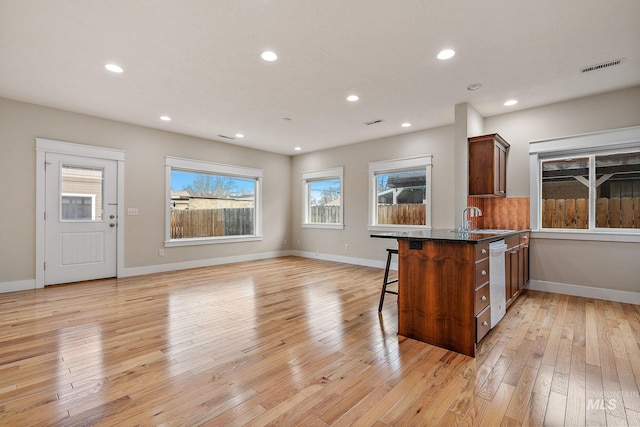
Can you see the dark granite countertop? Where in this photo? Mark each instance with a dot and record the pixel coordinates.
(446, 235)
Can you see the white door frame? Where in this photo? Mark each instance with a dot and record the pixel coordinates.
(44, 146)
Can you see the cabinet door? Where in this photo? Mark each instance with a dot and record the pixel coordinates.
(487, 166)
(481, 168)
(525, 256)
(511, 273)
(501, 172)
(521, 270)
(507, 276)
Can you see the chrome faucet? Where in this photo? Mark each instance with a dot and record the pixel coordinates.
(466, 223)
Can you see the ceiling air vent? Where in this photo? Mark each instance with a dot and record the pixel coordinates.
(226, 137)
(600, 66)
(373, 122)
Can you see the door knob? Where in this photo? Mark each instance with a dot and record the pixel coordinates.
(111, 216)
(112, 225)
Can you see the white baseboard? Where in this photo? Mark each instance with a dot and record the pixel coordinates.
(161, 268)
(585, 291)
(536, 285)
(22, 285)
(347, 260)
(17, 285)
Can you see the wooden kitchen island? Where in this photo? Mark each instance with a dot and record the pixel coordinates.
(443, 286)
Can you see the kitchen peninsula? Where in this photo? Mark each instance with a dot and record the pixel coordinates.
(443, 284)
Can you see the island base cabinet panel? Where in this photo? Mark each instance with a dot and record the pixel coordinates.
(436, 301)
(483, 323)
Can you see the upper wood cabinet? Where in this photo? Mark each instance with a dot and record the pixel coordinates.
(488, 166)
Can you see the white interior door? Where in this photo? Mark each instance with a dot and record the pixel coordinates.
(80, 218)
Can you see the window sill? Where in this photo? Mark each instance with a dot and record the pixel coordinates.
(210, 240)
(325, 226)
(599, 236)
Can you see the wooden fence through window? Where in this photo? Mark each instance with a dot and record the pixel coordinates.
(574, 213)
(409, 214)
(211, 222)
(324, 214)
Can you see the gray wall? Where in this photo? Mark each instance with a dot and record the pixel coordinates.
(145, 151)
(596, 264)
(585, 263)
(355, 159)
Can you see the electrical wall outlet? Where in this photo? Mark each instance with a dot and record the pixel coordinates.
(160, 252)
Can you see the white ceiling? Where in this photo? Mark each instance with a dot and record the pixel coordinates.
(198, 61)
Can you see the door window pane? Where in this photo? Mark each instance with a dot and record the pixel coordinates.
(78, 207)
(81, 190)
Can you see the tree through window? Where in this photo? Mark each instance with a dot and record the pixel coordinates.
(213, 202)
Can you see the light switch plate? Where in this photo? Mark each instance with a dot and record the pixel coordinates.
(132, 211)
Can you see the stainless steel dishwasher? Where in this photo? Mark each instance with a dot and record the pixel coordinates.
(497, 281)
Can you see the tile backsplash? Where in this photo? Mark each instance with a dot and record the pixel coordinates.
(501, 213)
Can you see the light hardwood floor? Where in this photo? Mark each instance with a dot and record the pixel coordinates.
(298, 342)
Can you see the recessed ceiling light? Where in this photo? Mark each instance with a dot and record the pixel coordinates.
(268, 55)
(297, 148)
(114, 68)
(406, 125)
(165, 118)
(352, 98)
(511, 102)
(446, 54)
(474, 86)
(239, 135)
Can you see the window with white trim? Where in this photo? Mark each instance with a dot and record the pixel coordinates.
(322, 198)
(211, 203)
(400, 193)
(587, 183)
